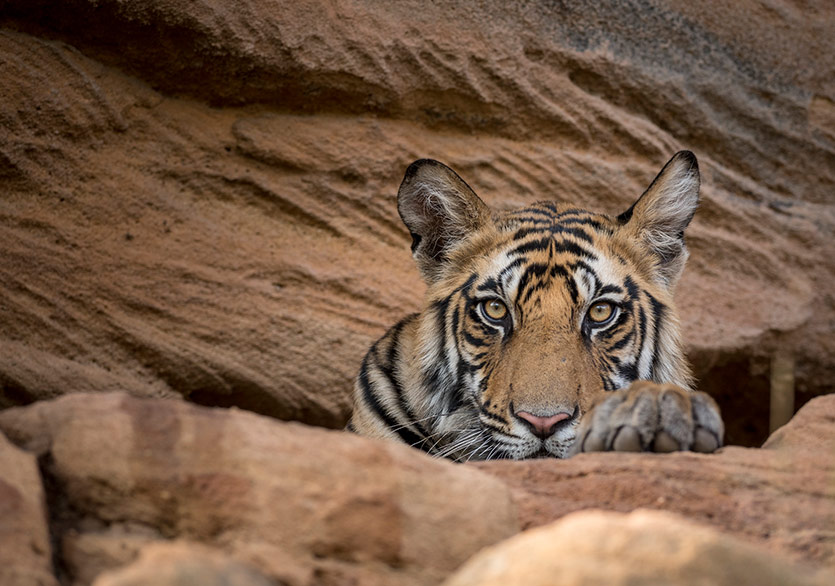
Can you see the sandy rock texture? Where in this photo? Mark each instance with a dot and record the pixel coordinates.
(162, 492)
(295, 504)
(198, 197)
(183, 564)
(25, 551)
(640, 549)
(780, 497)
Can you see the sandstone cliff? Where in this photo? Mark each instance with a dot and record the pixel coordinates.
(198, 196)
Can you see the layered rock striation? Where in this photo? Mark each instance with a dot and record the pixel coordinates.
(199, 196)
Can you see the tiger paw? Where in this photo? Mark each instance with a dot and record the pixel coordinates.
(651, 417)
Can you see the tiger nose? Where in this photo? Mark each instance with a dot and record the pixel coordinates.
(543, 426)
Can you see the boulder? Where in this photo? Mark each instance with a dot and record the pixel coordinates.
(183, 564)
(25, 550)
(199, 197)
(140, 488)
(780, 497)
(299, 504)
(644, 548)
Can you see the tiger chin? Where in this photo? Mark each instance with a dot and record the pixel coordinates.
(546, 331)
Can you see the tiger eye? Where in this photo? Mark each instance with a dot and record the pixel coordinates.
(494, 309)
(601, 311)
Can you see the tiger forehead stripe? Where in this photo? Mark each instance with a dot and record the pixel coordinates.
(558, 234)
(610, 289)
(544, 228)
(550, 209)
(554, 245)
(491, 285)
(546, 221)
(555, 230)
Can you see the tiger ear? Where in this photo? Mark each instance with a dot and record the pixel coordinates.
(440, 210)
(661, 214)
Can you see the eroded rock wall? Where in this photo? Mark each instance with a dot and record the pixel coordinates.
(198, 197)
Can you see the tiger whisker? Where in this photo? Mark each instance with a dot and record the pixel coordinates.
(440, 434)
(492, 452)
(474, 445)
(421, 420)
(462, 442)
(456, 445)
(477, 452)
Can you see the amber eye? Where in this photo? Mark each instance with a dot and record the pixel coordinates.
(494, 309)
(601, 312)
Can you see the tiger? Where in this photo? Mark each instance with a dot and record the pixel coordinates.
(545, 332)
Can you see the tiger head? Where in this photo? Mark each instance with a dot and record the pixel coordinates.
(530, 316)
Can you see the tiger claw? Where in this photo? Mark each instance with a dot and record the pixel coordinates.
(627, 439)
(653, 418)
(705, 441)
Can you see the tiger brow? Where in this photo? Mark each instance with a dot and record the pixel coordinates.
(610, 289)
(559, 246)
(491, 285)
(499, 283)
(508, 270)
(555, 230)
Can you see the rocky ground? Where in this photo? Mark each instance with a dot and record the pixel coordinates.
(159, 491)
(198, 204)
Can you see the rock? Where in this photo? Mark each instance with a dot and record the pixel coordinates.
(25, 551)
(139, 488)
(781, 497)
(199, 199)
(94, 547)
(301, 505)
(811, 429)
(644, 548)
(183, 564)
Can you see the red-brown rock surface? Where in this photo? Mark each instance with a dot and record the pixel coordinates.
(781, 496)
(183, 564)
(300, 504)
(198, 196)
(644, 548)
(139, 484)
(25, 551)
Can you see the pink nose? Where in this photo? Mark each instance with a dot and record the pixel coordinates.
(544, 427)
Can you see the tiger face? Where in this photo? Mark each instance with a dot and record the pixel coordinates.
(530, 316)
